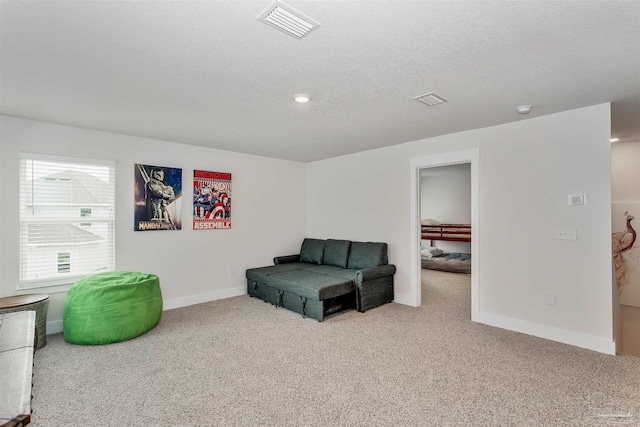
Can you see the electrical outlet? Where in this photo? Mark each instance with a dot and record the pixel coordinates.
(550, 298)
(232, 271)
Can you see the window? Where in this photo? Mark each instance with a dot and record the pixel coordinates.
(64, 262)
(67, 219)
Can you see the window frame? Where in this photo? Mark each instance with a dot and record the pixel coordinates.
(62, 281)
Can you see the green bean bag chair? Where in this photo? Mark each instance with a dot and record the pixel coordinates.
(111, 307)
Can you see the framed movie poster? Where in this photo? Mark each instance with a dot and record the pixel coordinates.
(157, 195)
(211, 200)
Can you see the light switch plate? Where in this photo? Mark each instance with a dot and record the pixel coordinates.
(567, 234)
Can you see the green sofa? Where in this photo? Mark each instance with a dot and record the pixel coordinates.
(326, 277)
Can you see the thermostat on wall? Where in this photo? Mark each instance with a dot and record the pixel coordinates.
(577, 199)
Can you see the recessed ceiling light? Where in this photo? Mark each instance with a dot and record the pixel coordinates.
(615, 139)
(302, 98)
(524, 109)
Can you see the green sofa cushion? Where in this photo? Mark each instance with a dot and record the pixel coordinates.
(260, 274)
(312, 251)
(344, 273)
(311, 285)
(111, 307)
(336, 252)
(367, 255)
(323, 269)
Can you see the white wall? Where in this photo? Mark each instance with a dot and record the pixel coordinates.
(625, 172)
(526, 170)
(445, 195)
(193, 266)
(625, 196)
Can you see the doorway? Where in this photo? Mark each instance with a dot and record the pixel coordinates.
(625, 215)
(471, 157)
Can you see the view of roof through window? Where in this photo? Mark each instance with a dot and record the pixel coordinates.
(68, 208)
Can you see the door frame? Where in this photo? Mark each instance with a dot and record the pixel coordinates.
(471, 156)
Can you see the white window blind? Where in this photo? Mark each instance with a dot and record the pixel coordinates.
(67, 219)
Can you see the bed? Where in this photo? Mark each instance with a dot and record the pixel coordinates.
(455, 262)
(446, 232)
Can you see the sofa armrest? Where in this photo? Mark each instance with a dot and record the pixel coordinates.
(286, 259)
(369, 274)
(374, 286)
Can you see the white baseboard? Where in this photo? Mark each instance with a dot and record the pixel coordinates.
(56, 326)
(199, 299)
(548, 332)
(404, 299)
(589, 342)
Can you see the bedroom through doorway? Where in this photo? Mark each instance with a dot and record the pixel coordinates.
(445, 236)
(456, 222)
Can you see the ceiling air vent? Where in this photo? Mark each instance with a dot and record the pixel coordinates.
(288, 20)
(430, 99)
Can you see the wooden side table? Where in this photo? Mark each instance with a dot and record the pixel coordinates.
(36, 302)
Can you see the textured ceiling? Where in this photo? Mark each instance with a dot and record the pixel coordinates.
(208, 73)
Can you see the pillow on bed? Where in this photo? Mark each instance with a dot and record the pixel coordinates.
(431, 252)
(430, 222)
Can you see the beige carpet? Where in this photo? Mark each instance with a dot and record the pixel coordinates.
(242, 362)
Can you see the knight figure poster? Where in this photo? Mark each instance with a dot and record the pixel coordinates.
(211, 200)
(158, 202)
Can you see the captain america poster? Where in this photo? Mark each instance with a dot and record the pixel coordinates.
(211, 200)
(158, 201)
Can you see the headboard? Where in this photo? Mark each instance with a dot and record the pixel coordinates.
(448, 232)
